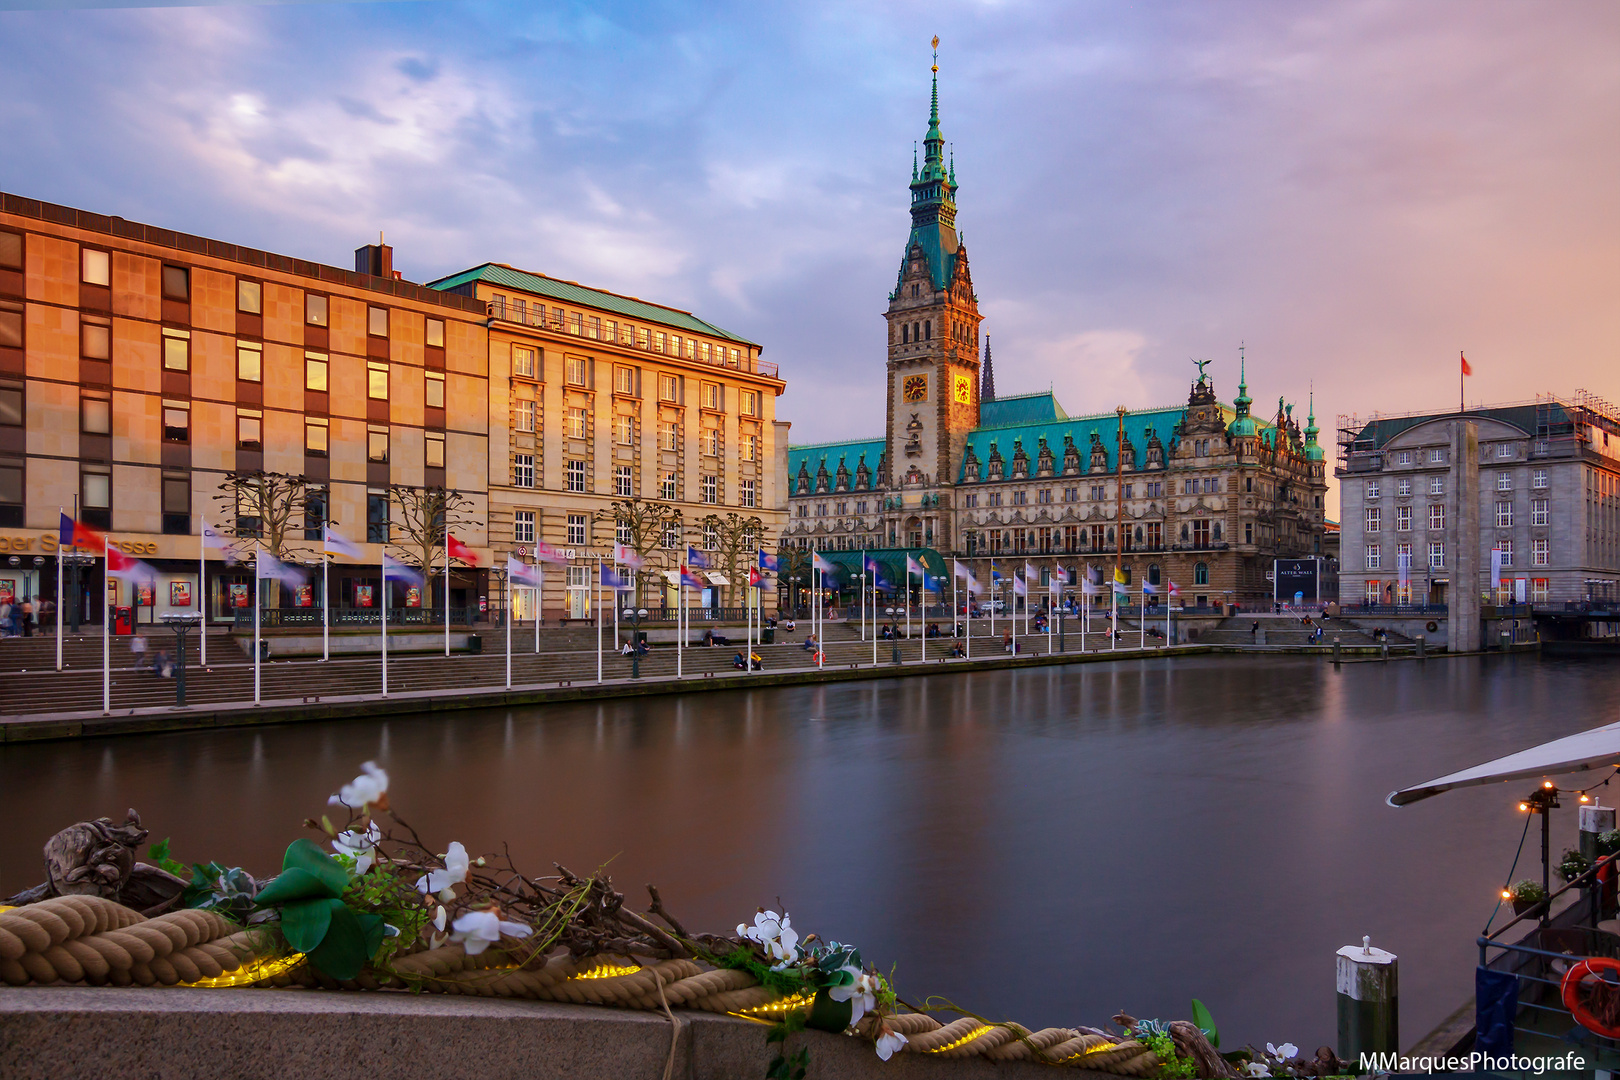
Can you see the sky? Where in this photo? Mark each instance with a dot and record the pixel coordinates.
(1354, 191)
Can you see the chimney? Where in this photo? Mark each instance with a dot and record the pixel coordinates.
(375, 259)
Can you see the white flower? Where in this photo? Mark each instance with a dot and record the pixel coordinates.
(861, 994)
(454, 873)
(438, 919)
(477, 930)
(775, 932)
(889, 1043)
(1285, 1052)
(361, 846)
(371, 786)
(1257, 1068)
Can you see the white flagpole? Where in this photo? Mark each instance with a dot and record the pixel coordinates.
(202, 593)
(874, 618)
(992, 599)
(256, 649)
(1141, 623)
(1167, 620)
(326, 602)
(598, 593)
(447, 583)
(680, 624)
(1051, 611)
(106, 629)
(953, 602)
(748, 635)
(967, 621)
(1113, 614)
(616, 607)
(508, 603)
(539, 597)
(384, 565)
(815, 610)
(59, 599)
(863, 594)
(922, 611)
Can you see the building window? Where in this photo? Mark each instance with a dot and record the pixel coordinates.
(621, 481)
(314, 309)
(1437, 517)
(1506, 547)
(1374, 557)
(709, 489)
(176, 504)
(748, 402)
(745, 493)
(249, 429)
(434, 392)
(1437, 555)
(672, 538)
(377, 444)
(435, 333)
(1539, 589)
(1538, 478)
(1504, 515)
(250, 297)
(624, 379)
(376, 381)
(433, 450)
(669, 387)
(576, 530)
(669, 435)
(709, 443)
(1372, 489)
(1403, 457)
(1374, 519)
(574, 473)
(377, 321)
(523, 361)
(1539, 551)
(1437, 485)
(376, 515)
(11, 250)
(95, 495)
(623, 534)
(1504, 450)
(576, 423)
(1373, 592)
(1538, 512)
(315, 503)
(315, 372)
(95, 267)
(666, 486)
(713, 397)
(624, 430)
(1248, 534)
(316, 436)
(523, 527)
(176, 350)
(525, 416)
(249, 362)
(95, 412)
(1403, 519)
(1504, 481)
(176, 283)
(176, 421)
(1437, 454)
(523, 470)
(1403, 486)
(575, 370)
(1201, 573)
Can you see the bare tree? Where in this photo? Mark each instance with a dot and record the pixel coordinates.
(267, 510)
(640, 524)
(418, 535)
(731, 536)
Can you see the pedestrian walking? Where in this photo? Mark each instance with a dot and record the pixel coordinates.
(137, 649)
(1254, 631)
(5, 618)
(47, 616)
(28, 618)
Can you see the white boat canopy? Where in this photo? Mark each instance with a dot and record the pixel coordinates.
(1595, 749)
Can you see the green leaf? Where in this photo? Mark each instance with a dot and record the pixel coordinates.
(307, 855)
(306, 923)
(829, 1015)
(350, 942)
(295, 884)
(159, 851)
(1206, 1023)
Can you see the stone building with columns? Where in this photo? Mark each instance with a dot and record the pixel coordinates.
(1203, 493)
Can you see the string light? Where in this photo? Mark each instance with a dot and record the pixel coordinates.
(969, 1037)
(606, 971)
(780, 1005)
(252, 973)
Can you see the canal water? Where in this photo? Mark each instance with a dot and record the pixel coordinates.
(1049, 845)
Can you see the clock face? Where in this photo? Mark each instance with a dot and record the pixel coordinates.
(916, 388)
(964, 390)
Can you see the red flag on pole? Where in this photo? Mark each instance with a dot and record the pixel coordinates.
(1466, 368)
(461, 551)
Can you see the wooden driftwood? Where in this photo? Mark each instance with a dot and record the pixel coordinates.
(97, 858)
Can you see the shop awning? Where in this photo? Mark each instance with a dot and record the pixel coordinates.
(716, 577)
(1598, 748)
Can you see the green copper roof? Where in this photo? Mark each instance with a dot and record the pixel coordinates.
(933, 204)
(1106, 425)
(1020, 409)
(1377, 433)
(501, 275)
(850, 453)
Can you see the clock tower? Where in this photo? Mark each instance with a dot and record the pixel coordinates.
(933, 320)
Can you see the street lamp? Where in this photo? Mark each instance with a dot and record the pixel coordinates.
(635, 615)
(74, 561)
(180, 623)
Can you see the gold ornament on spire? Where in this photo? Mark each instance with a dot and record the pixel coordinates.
(936, 52)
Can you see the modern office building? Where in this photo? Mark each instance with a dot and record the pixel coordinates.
(1533, 489)
(1205, 494)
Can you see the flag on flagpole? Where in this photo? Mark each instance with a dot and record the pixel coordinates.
(754, 576)
(1094, 574)
(691, 580)
(458, 550)
(521, 573)
(821, 564)
(1030, 573)
(612, 579)
(1060, 575)
(1467, 368)
(1175, 590)
(1121, 586)
(1150, 589)
(1090, 588)
(269, 568)
(394, 570)
(874, 568)
(914, 567)
(333, 544)
(548, 554)
(78, 534)
(212, 538)
(625, 554)
(1020, 586)
(768, 562)
(696, 559)
(130, 569)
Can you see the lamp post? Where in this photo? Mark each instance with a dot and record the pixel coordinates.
(73, 561)
(635, 614)
(180, 624)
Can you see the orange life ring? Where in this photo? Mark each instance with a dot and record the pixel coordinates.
(1571, 993)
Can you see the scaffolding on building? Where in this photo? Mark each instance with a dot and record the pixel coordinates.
(1556, 416)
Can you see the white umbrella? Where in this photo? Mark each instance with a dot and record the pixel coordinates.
(1598, 748)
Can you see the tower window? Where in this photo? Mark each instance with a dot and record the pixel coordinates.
(905, 333)
(928, 330)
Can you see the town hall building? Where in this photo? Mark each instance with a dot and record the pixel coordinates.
(1204, 494)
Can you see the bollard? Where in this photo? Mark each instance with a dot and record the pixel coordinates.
(1369, 1002)
(1420, 646)
(1335, 652)
(896, 652)
(1386, 648)
(1507, 641)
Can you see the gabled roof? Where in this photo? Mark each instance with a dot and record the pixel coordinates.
(1020, 409)
(1106, 425)
(850, 453)
(570, 292)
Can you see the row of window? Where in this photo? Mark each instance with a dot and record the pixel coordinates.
(1540, 514)
(1438, 455)
(578, 533)
(519, 309)
(579, 372)
(1437, 484)
(575, 479)
(1540, 554)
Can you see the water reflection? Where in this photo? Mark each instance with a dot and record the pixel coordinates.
(1049, 844)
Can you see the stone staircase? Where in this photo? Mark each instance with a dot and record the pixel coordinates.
(1287, 630)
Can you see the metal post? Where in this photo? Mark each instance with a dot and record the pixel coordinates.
(1369, 1001)
(1335, 651)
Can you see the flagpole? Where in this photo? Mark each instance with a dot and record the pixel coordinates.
(874, 618)
(384, 609)
(60, 513)
(1113, 614)
(922, 611)
(680, 625)
(447, 583)
(967, 619)
(257, 567)
(326, 602)
(202, 591)
(992, 599)
(106, 628)
(953, 602)
(1141, 622)
(539, 596)
(598, 592)
(908, 600)
(508, 603)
